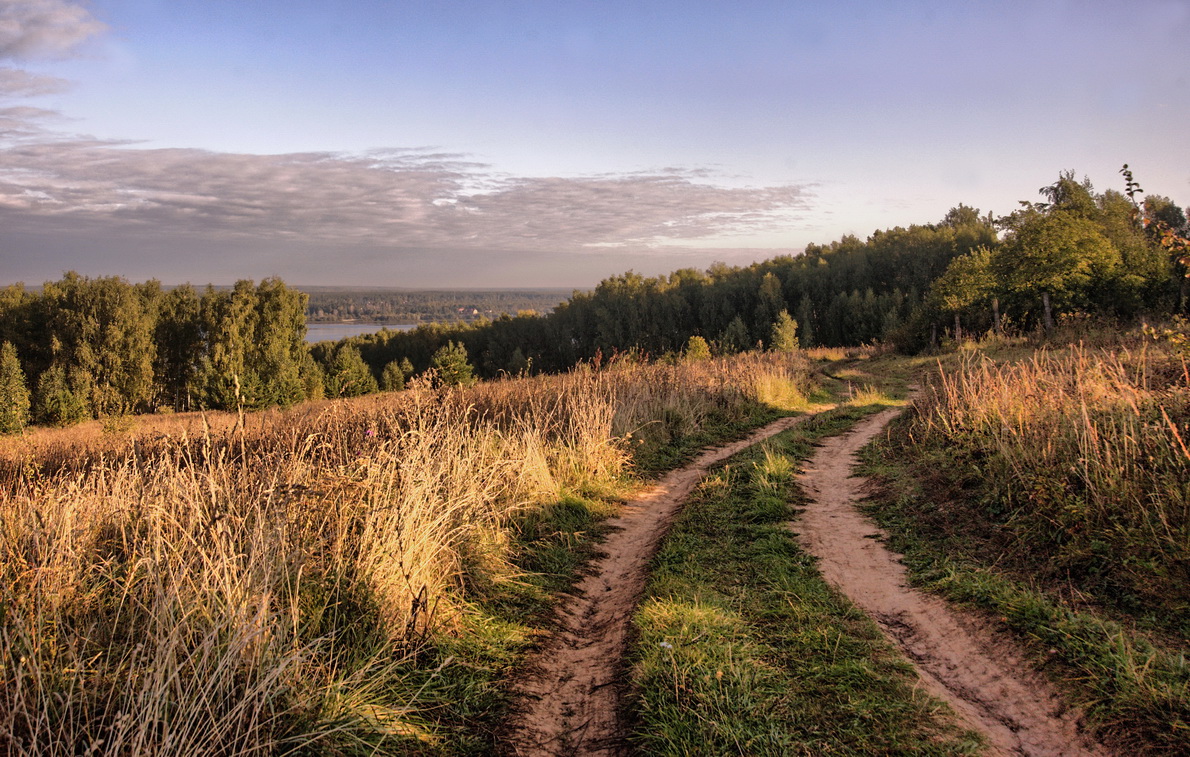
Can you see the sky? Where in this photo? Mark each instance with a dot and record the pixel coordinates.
(546, 143)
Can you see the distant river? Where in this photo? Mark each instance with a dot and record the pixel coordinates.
(321, 332)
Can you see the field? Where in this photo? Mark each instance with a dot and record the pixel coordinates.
(382, 575)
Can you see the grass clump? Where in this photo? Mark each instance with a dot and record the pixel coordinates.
(744, 649)
(1077, 459)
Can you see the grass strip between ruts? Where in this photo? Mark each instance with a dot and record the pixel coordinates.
(744, 649)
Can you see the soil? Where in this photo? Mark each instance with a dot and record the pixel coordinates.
(981, 674)
(569, 700)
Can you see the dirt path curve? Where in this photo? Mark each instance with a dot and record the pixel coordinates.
(569, 700)
(982, 676)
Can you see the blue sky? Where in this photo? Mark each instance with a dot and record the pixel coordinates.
(552, 143)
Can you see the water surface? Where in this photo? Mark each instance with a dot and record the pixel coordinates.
(321, 332)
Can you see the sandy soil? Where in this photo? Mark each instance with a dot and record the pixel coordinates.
(569, 701)
(981, 674)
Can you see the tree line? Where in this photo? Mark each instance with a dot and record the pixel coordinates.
(847, 293)
(85, 347)
(1109, 254)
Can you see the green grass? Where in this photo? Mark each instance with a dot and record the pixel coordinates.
(744, 649)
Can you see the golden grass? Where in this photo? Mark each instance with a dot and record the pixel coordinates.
(1083, 454)
(234, 585)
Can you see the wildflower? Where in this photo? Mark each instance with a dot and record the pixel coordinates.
(666, 645)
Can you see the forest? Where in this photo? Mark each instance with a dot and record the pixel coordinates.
(83, 348)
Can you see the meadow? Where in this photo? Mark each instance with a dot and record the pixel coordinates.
(307, 581)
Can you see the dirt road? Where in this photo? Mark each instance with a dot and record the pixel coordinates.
(982, 676)
(568, 703)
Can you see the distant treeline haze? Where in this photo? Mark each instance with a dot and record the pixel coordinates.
(333, 304)
(93, 347)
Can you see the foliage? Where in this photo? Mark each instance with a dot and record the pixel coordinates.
(348, 375)
(392, 378)
(137, 347)
(14, 393)
(849, 292)
(451, 364)
(60, 401)
(783, 336)
(733, 338)
(102, 329)
(696, 349)
(1165, 223)
(1078, 252)
(1059, 254)
(967, 283)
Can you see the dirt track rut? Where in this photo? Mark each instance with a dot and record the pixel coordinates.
(569, 699)
(982, 676)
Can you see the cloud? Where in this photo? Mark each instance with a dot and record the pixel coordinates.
(17, 83)
(61, 192)
(399, 198)
(32, 29)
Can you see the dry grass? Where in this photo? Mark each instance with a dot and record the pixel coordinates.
(242, 584)
(1082, 455)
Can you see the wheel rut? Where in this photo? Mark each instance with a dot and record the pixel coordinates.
(983, 676)
(569, 700)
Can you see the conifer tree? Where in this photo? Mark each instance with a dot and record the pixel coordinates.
(275, 354)
(313, 386)
(734, 338)
(769, 302)
(392, 378)
(450, 361)
(697, 349)
(59, 401)
(348, 375)
(14, 394)
(518, 364)
(805, 320)
(784, 333)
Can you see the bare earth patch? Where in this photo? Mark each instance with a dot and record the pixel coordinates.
(569, 700)
(983, 676)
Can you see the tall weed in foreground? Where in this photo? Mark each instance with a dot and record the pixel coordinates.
(1080, 457)
(256, 590)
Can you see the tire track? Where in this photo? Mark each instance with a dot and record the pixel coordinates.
(983, 677)
(569, 701)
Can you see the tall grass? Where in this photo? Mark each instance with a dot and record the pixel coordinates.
(252, 589)
(1080, 457)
